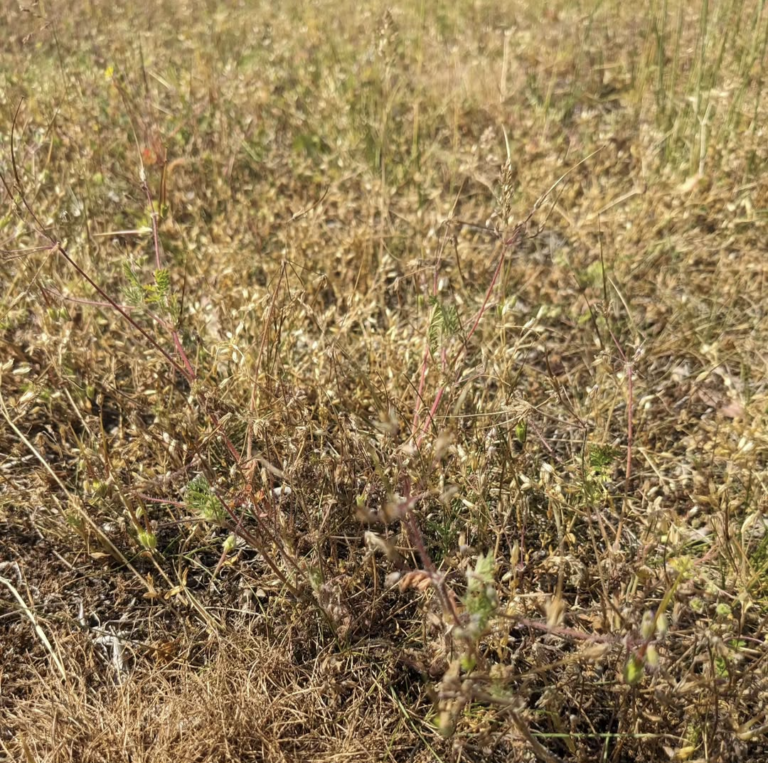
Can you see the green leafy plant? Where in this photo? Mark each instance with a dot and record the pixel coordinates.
(157, 294)
(203, 502)
(444, 322)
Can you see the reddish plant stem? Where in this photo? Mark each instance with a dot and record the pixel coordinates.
(77, 300)
(630, 408)
(465, 346)
(420, 393)
(447, 601)
(57, 246)
(630, 416)
(425, 361)
(153, 217)
(256, 543)
(257, 368)
(186, 369)
(154, 499)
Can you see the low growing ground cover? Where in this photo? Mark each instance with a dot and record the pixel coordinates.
(383, 383)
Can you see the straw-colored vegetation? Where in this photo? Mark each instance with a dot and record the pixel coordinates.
(383, 384)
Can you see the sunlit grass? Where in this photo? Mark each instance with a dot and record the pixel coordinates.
(413, 355)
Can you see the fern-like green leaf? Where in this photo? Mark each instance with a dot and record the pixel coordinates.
(202, 501)
(163, 281)
(451, 323)
(444, 321)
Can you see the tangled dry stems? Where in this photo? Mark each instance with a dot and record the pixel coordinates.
(555, 443)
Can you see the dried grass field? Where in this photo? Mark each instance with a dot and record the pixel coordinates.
(383, 382)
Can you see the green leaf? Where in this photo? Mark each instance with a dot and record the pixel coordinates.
(481, 599)
(484, 567)
(633, 670)
(444, 321)
(468, 663)
(147, 540)
(163, 282)
(133, 279)
(601, 457)
(201, 500)
(721, 667)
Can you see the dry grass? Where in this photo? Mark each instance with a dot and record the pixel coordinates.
(383, 384)
(242, 699)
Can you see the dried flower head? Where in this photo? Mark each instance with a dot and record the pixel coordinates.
(387, 37)
(507, 181)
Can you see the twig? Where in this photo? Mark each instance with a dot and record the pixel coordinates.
(257, 367)
(38, 629)
(511, 705)
(116, 553)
